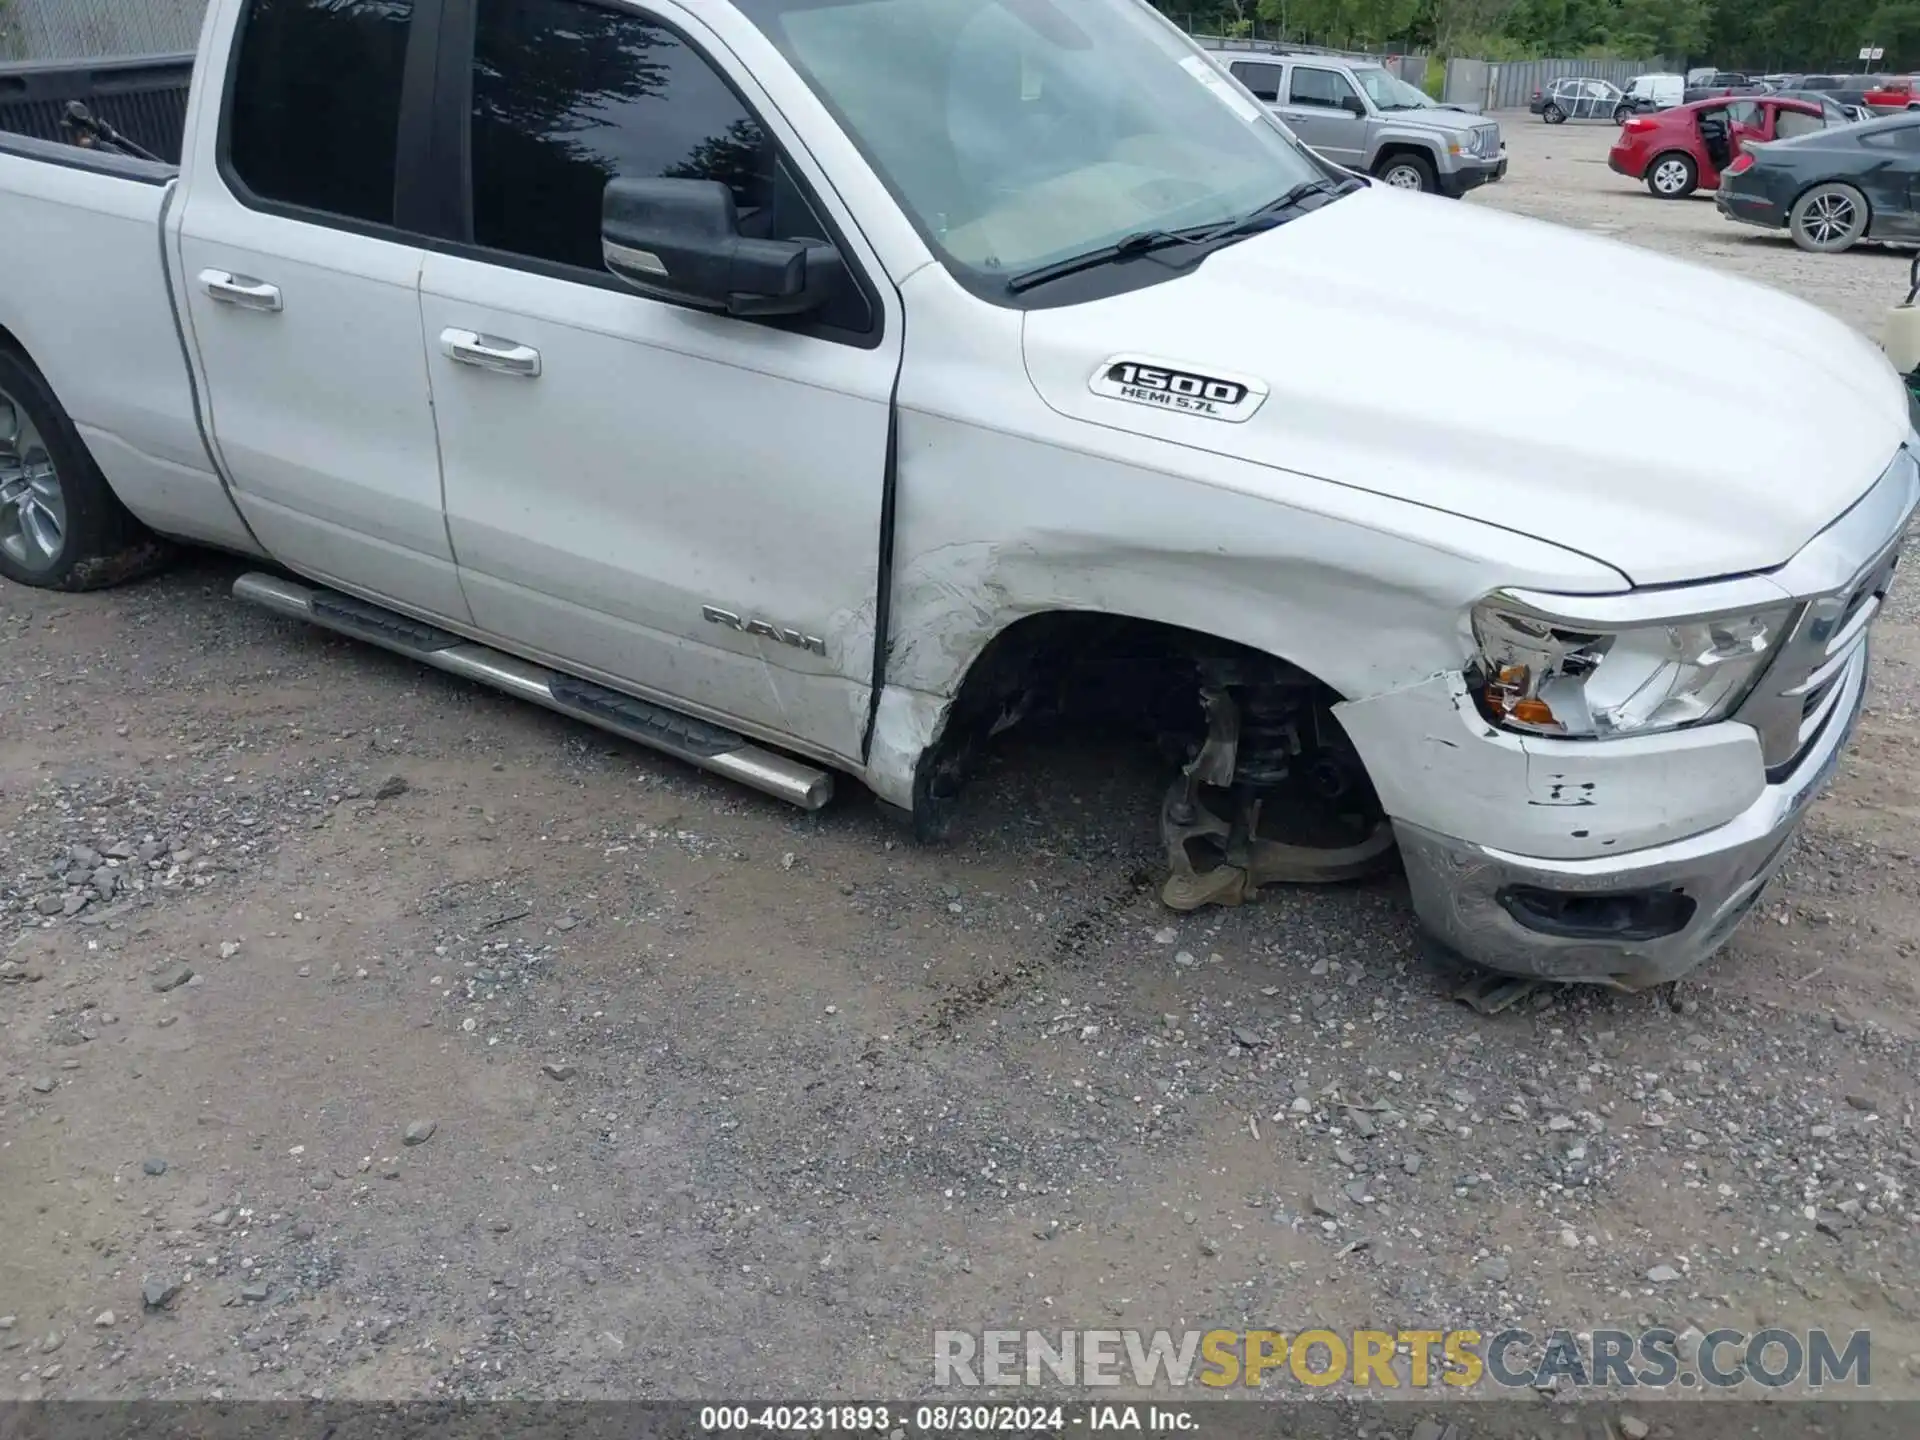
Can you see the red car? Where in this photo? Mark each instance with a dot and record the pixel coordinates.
(1894, 92)
(1678, 151)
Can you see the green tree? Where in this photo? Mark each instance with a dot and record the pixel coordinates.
(1659, 27)
(1758, 35)
(1342, 22)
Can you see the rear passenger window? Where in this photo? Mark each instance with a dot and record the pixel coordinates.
(1900, 137)
(1262, 80)
(1789, 123)
(315, 109)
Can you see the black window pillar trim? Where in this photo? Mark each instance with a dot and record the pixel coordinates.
(417, 200)
(452, 133)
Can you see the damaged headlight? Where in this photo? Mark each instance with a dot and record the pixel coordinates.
(1550, 676)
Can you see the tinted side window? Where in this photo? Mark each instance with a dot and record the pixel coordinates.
(567, 96)
(1311, 86)
(1744, 112)
(1262, 80)
(1903, 137)
(315, 109)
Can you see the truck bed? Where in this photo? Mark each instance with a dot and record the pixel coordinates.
(144, 98)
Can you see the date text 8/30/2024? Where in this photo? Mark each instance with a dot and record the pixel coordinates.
(1005, 1419)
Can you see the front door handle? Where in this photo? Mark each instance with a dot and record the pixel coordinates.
(489, 352)
(241, 290)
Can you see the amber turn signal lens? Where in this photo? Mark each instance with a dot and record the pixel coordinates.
(1532, 712)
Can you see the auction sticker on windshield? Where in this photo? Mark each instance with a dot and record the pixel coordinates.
(1222, 87)
(1210, 394)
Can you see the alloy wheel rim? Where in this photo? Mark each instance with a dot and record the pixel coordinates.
(1670, 176)
(1403, 177)
(1830, 217)
(33, 506)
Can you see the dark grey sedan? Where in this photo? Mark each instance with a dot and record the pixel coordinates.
(1831, 188)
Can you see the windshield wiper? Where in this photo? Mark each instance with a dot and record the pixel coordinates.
(1140, 242)
(1269, 214)
(1144, 242)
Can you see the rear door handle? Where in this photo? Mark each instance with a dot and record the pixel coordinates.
(489, 352)
(241, 290)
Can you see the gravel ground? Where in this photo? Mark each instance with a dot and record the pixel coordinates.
(363, 1034)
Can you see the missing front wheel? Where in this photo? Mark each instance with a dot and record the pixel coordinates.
(1273, 795)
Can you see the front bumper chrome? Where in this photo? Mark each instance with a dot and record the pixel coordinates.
(1461, 891)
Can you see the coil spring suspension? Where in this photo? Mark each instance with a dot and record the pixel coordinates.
(1252, 745)
(1269, 735)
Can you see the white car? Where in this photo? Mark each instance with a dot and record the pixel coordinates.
(1578, 98)
(817, 389)
(1647, 93)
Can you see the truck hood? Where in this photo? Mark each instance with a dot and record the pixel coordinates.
(1669, 421)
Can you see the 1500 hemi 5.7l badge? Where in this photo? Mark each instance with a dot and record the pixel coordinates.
(1179, 389)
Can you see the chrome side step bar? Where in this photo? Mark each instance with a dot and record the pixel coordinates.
(710, 747)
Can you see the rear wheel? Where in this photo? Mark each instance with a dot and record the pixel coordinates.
(1553, 114)
(61, 528)
(1673, 176)
(1406, 172)
(1828, 218)
(1622, 114)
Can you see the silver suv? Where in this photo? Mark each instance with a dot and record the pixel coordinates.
(1363, 117)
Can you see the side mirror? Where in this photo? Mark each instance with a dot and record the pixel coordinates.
(680, 241)
(1354, 106)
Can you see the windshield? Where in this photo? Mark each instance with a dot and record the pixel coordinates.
(1019, 132)
(1388, 91)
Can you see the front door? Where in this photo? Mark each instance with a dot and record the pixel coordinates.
(1319, 109)
(1891, 180)
(683, 504)
(302, 299)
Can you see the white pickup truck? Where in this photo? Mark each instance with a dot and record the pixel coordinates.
(807, 387)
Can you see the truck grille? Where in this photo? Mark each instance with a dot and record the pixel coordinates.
(1486, 142)
(1797, 696)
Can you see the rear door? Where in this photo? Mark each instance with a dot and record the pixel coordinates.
(1316, 109)
(302, 280)
(683, 504)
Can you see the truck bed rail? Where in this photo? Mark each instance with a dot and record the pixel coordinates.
(143, 97)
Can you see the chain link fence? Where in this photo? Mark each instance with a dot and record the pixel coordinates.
(98, 29)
